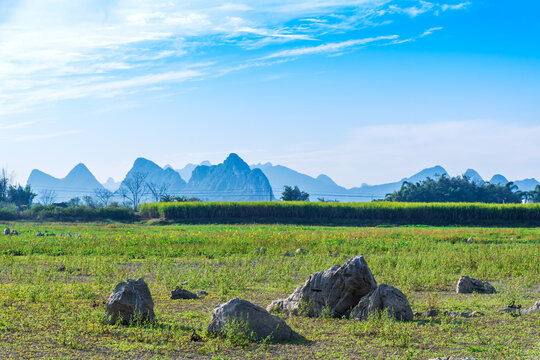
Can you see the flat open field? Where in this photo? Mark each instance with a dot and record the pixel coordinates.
(48, 311)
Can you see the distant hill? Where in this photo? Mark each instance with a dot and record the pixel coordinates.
(473, 176)
(156, 176)
(527, 184)
(374, 192)
(233, 180)
(111, 185)
(79, 182)
(280, 176)
(187, 170)
(498, 179)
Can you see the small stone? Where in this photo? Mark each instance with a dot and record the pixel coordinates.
(421, 322)
(53, 235)
(432, 313)
(470, 240)
(260, 250)
(287, 253)
(203, 293)
(418, 314)
(301, 251)
(195, 337)
(7, 231)
(477, 314)
(464, 314)
(39, 233)
(60, 268)
(180, 293)
(14, 233)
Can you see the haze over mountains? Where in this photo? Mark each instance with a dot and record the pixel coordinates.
(235, 180)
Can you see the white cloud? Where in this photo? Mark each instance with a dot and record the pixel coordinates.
(328, 48)
(459, 6)
(52, 50)
(430, 31)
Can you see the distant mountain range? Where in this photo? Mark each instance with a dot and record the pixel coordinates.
(78, 183)
(235, 180)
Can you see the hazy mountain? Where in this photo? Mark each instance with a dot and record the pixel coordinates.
(111, 185)
(373, 192)
(498, 179)
(167, 178)
(280, 176)
(187, 170)
(473, 176)
(526, 184)
(233, 180)
(78, 183)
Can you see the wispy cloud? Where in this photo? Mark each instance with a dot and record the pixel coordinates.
(328, 48)
(430, 31)
(53, 50)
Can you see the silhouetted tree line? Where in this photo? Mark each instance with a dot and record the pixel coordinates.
(458, 189)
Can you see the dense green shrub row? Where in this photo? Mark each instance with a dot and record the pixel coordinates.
(74, 213)
(375, 213)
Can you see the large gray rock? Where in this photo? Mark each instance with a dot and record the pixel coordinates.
(468, 285)
(385, 299)
(258, 321)
(130, 300)
(7, 231)
(337, 289)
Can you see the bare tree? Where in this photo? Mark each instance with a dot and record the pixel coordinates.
(158, 191)
(136, 188)
(48, 197)
(104, 196)
(4, 184)
(122, 192)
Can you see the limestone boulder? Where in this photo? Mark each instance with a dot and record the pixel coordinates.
(130, 300)
(241, 315)
(338, 290)
(468, 285)
(384, 300)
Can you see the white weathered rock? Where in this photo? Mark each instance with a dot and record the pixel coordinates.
(384, 300)
(338, 289)
(468, 285)
(130, 300)
(258, 322)
(7, 231)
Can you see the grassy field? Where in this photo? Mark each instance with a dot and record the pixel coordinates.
(48, 313)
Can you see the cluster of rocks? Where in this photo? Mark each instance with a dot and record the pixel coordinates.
(298, 251)
(39, 233)
(340, 291)
(8, 232)
(345, 290)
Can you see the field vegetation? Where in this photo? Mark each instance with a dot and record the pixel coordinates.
(52, 289)
(361, 214)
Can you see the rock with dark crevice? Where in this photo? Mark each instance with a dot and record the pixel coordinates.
(7, 231)
(336, 290)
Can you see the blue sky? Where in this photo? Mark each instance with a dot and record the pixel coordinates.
(364, 91)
